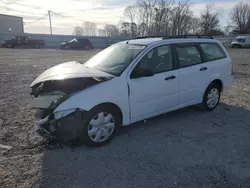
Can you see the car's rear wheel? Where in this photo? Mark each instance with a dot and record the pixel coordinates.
(211, 97)
(100, 125)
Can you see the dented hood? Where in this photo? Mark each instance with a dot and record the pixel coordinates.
(68, 70)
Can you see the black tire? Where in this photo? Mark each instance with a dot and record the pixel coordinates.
(85, 139)
(238, 46)
(10, 46)
(67, 47)
(204, 104)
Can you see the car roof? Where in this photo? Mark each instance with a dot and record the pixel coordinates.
(242, 37)
(144, 41)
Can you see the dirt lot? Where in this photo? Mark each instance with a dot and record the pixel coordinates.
(186, 148)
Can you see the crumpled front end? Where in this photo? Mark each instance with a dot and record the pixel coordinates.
(63, 125)
(53, 87)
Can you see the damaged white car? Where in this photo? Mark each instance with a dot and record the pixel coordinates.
(128, 82)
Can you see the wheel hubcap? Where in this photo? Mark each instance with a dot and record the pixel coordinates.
(101, 127)
(213, 97)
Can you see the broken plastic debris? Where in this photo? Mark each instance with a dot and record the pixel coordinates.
(5, 147)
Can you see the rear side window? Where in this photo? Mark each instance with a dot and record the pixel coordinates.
(213, 51)
(188, 55)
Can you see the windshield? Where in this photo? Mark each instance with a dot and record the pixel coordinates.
(240, 40)
(115, 58)
(73, 40)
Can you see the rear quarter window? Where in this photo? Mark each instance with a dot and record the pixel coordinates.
(213, 51)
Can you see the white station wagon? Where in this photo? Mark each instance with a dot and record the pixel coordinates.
(128, 82)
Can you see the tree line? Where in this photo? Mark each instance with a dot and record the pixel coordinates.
(171, 17)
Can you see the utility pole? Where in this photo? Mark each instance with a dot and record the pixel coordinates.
(50, 22)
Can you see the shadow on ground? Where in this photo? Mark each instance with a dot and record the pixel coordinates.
(185, 148)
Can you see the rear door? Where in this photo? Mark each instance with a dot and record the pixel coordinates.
(193, 74)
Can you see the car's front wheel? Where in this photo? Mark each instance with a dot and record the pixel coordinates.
(100, 125)
(67, 47)
(211, 97)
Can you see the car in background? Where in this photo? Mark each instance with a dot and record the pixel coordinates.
(23, 41)
(128, 82)
(77, 44)
(241, 41)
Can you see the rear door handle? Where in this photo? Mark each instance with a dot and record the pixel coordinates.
(203, 69)
(170, 77)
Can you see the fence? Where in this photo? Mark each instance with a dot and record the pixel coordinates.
(53, 41)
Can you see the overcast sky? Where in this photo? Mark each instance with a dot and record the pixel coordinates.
(99, 11)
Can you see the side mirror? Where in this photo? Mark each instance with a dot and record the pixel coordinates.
(141, 72)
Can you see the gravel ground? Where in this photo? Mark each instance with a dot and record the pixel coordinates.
(185, 148)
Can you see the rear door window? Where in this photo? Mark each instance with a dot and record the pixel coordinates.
(188, 55)
(213, 51)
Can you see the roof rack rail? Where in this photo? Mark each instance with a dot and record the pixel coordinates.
(188, 36)
(148, 37)
(177, 37)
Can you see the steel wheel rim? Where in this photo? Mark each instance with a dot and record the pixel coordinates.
(213, 97)
(101, 127)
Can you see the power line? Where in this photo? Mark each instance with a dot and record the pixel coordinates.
(67, 17)
(75, 18)
(20, 4)
(37, 19)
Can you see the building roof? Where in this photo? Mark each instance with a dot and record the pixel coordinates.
(11, 16)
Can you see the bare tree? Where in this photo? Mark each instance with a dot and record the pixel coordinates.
(194, 25)
(240, 16)
(130, 12)
(89, 29)
(209, 19)
(163, 11)
(141, 30)
(147, 14)
(101, 32)
(154, 16)
(180, 17)
(78, 30)
(125, 29)
(111, 30)
(228, 29)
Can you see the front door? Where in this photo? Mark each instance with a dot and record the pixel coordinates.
(154, 94)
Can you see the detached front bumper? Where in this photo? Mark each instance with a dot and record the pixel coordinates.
(64, 126)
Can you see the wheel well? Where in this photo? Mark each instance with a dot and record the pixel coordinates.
(113, 106)
(219, 83)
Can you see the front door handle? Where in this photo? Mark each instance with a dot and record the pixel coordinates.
(170, 77)
(203, 69)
